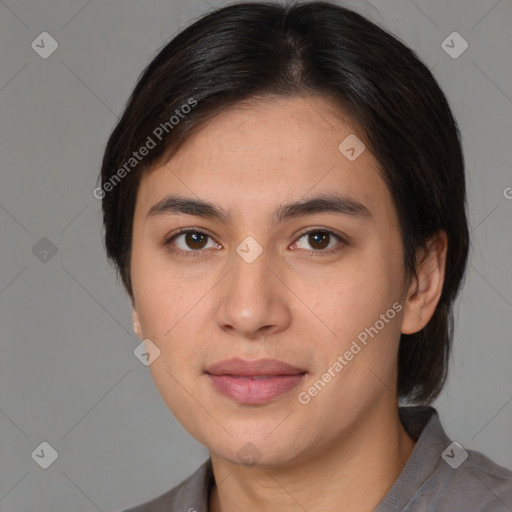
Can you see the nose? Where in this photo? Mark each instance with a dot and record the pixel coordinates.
(253, 300)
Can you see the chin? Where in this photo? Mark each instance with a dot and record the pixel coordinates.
(248, 448)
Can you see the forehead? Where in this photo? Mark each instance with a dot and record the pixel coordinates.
(254, 155)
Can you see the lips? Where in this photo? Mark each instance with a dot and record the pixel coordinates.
(258, 368)
(254, 382)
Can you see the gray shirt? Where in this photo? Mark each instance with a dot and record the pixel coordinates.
(439, 476)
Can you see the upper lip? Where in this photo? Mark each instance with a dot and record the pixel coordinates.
(259, 367)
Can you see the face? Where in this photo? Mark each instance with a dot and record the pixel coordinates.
(255, 279)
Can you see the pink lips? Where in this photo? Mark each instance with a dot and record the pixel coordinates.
(254, 382)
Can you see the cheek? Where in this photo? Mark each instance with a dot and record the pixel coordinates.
(154, 289)
(170, 311)
(355, 295)
(351, 304)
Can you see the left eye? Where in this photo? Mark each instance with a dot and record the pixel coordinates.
(319, 239)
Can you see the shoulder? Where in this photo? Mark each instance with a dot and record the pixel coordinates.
(191, 495)
(464, 480)
(443, 476)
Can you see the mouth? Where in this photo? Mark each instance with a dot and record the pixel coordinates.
(253, 377)
(254, 382)
(258, 368)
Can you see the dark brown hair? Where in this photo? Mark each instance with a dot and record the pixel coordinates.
(248, 50)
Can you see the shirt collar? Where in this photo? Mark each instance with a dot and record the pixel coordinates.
(423, 425)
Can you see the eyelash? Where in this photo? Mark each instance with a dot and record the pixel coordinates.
(196, 253)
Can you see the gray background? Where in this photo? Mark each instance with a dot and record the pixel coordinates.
(68, 373)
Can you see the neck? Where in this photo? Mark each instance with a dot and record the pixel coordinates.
(354, 473)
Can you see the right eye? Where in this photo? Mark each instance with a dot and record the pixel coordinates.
(192, 243)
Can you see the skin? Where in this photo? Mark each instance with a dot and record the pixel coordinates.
(346, 447)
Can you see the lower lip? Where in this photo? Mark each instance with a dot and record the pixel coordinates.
(245, 390)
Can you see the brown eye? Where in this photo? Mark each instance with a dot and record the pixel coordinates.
(320, 240)
(195, 240)
(190, 241)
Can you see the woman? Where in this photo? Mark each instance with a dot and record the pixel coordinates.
(284, 199)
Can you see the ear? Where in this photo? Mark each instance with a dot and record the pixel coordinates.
(425, 291)
(136, 323)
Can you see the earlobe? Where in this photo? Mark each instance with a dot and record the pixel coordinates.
(424, 292)
(136, 324)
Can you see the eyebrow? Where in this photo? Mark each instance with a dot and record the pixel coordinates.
(323, 203)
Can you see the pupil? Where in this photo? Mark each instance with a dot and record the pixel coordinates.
(194, 237)
(321, 234)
